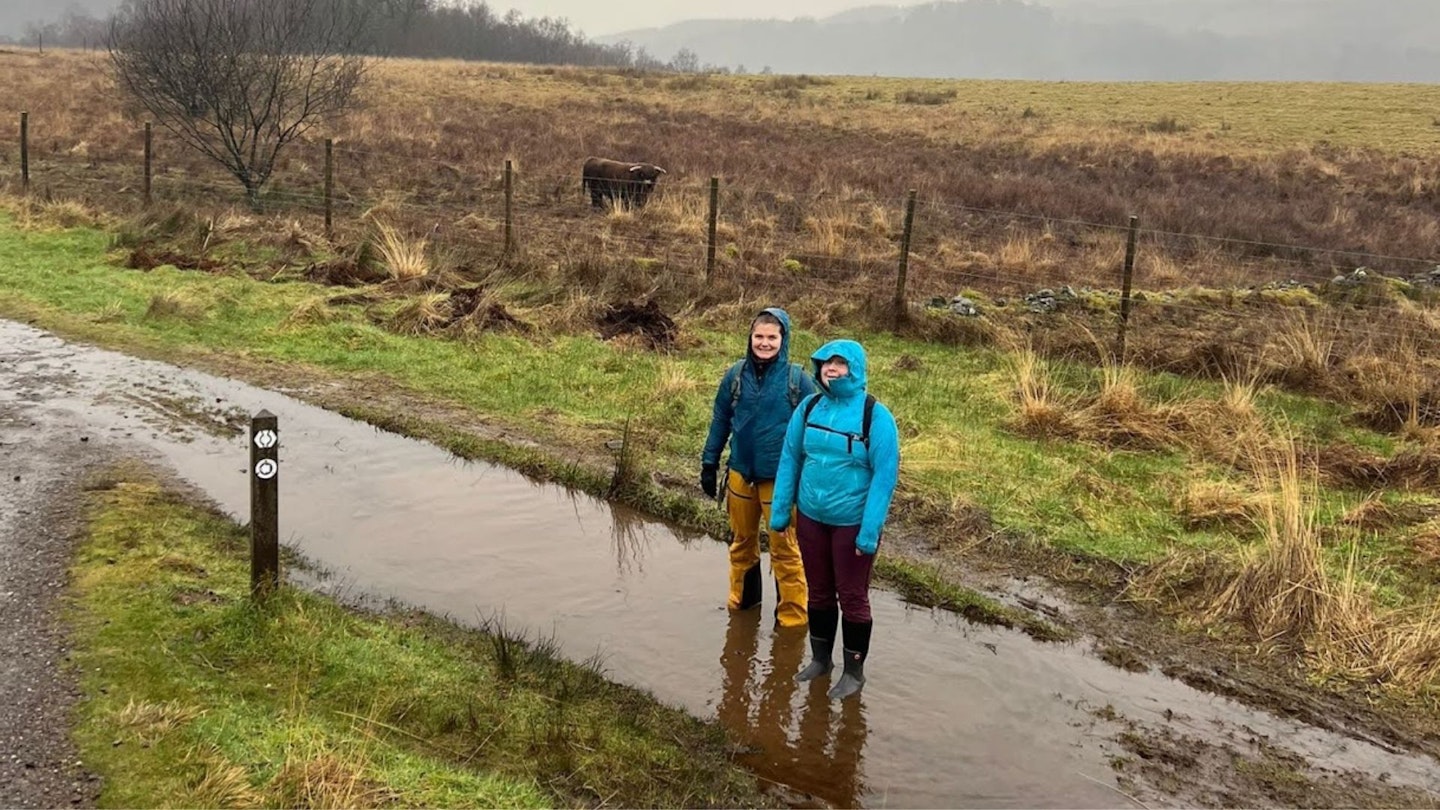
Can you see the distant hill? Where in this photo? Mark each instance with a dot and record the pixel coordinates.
(1158, 40)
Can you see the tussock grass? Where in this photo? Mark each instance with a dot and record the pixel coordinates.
(421, 314)
(110, 313)
(1220, 504)
(183, 305)
(301, 703)
(1305, 345)
(1286, 591)
(1041, 414)
(1281, 586)
(313, 310)
(963, 455)
(403, 257)
(834, 160)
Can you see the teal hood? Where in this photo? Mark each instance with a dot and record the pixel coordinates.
(784, 317)
(854, 354)
(752, 407)
(833, 469)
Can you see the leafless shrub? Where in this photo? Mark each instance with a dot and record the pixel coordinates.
(239, 79)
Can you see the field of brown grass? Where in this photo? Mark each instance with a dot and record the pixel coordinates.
(1021, 186)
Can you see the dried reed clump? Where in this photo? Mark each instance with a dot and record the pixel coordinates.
(1120, 415)
(1303, 347)
(325, 780)
(421, 315)
(68, 214)
(222, 783)
(151, 721)
(1280, 589)
(1229, 430)
(178, 304)
(404, 258)
(577, 312)
(1219, 504)
(674, 382)
(313, 310)
(1042, 414)
(1283, 592)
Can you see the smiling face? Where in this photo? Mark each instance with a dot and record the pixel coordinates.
(765, 340)
(834, 368)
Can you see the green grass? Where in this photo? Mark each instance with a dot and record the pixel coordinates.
(573, 393)
(924, 585)
(195, 696)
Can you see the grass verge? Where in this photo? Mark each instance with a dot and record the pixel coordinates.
(1112, 478)
(195, 696)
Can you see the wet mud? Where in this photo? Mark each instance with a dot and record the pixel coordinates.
(953, 714)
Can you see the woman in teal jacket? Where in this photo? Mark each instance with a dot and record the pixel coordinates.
(752, 408)
(839, 465)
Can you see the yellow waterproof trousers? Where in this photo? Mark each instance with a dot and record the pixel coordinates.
(749, 507)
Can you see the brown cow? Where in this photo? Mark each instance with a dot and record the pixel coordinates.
(622, 183)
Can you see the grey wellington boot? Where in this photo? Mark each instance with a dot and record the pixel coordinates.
(857, 647)
(822, 644)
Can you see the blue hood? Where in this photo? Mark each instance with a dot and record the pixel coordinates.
(784, 317)
(854, 354)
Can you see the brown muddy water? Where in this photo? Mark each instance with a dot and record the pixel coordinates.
(953, 714)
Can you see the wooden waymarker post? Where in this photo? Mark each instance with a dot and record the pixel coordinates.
(264, 504)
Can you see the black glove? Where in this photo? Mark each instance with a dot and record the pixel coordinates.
(707, 479)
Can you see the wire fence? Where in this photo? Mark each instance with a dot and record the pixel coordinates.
(911, 248)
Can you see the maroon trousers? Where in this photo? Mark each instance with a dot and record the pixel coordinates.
(833, 570)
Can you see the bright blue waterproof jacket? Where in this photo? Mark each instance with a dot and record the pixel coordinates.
(755, 423)
(836, 476)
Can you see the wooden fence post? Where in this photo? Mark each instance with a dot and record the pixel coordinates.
(329, 188)
(25, 152)
(904, 257)
(509, 207)
(148, 154)
(264, 504)
(1128, 276)
(714, 218)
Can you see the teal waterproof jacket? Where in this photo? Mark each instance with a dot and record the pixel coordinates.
(834, 474)
(754, 424)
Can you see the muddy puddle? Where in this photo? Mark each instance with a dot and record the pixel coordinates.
(954, 715)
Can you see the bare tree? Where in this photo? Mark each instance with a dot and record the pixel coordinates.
(239, 79)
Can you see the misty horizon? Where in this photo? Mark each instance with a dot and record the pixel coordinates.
(1097, 40)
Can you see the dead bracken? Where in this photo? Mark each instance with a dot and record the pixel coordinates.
(148, 257)
(645, 320)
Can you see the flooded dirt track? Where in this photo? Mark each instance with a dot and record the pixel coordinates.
(954, 715)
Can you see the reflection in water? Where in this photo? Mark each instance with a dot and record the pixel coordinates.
(629, 539)
(977, 717)
(816, 750)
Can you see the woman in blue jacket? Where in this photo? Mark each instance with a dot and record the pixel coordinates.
(752, 408)
(839, 465)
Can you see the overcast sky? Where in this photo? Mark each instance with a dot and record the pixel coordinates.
(597, 18)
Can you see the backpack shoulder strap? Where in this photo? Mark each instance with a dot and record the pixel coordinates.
(865, 421)
(795, 396)
(810, 403)
(735, 372)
